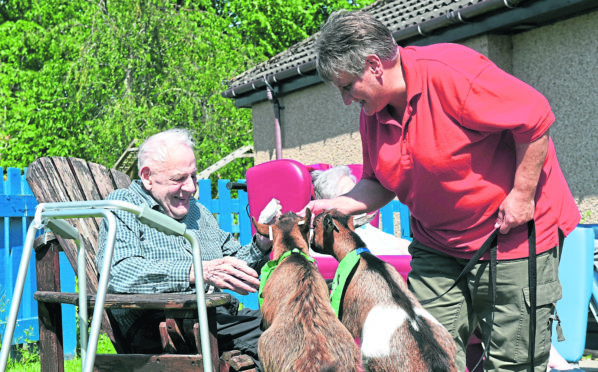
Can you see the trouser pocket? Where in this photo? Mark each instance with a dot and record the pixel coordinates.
(547, 295)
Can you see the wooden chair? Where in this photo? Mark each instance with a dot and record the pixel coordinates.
(59, 179)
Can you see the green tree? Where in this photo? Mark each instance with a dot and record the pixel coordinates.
(84, 78)
(123, 70)
(275, 25)
(153, 66)
(38, 43)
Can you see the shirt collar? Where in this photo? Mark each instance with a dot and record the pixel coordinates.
(137, 186)
(412, 84)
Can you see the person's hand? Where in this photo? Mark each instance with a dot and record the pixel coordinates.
(268, 216)
(316, 207)
(514, 211)
(229, 273)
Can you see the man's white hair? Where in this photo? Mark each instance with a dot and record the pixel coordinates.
(155, 148)
(326, 182)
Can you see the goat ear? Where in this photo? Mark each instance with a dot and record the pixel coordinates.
(306, 222)
(261, 228)
(328, 223)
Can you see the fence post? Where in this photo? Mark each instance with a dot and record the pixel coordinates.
(244, 221)
(225, 206)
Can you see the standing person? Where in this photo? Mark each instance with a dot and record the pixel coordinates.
(146, 260)
(466, 147)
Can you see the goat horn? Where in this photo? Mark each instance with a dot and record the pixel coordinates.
(363, 219)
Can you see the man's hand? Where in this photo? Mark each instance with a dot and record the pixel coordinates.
(229, 273)
(515, 210)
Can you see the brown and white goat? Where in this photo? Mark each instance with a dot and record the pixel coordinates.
(395, 331)
(302, 331)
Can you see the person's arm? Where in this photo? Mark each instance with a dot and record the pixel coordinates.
(237, 270)
(518, 207)
(153, 267)
(367, 196)
(229, 273)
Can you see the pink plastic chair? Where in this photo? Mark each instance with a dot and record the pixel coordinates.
(285, 180)
(290, 182)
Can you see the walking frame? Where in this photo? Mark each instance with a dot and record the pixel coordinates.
(50, 215)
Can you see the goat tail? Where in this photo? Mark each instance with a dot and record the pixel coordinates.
(314, 357)
(436, 357)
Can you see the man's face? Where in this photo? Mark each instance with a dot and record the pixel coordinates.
(173, 182)
(362, 89)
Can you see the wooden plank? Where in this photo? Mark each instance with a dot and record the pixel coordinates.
(83, 187)
(48, 188)
(86, 180)
(49, 315)
(156, 301)
(148, 363)
(121, 180)
(102, 179)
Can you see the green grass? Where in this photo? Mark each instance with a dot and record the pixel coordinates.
(30, 357)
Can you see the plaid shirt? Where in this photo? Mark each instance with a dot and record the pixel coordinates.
(148, 261)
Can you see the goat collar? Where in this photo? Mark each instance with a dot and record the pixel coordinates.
(269, 267)
(342, 277)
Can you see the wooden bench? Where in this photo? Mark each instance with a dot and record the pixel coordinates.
(59, 179)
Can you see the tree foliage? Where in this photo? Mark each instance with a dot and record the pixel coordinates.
(84, 78)
(275, 25)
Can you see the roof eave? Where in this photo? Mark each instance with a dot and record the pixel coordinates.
(450, 28)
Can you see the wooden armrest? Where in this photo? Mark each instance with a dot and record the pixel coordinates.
(44, 239)
(158, 301)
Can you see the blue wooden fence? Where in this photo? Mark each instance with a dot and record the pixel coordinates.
(17, 208)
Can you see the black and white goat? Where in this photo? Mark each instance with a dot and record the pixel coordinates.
(395, 332)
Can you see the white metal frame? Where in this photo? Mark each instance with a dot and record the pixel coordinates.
(50, 215)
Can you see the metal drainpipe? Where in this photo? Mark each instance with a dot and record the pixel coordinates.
(272, 94)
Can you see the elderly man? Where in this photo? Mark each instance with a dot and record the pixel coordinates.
(148, 261)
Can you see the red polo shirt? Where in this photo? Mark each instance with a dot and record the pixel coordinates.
(451, 159)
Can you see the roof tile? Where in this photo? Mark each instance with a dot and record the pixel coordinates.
(397, 15)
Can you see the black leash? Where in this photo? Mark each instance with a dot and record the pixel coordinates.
(532, 277)
(492, 244)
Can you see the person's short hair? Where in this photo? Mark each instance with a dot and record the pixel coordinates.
(155, 148)
(326, 182)
(345, 41)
